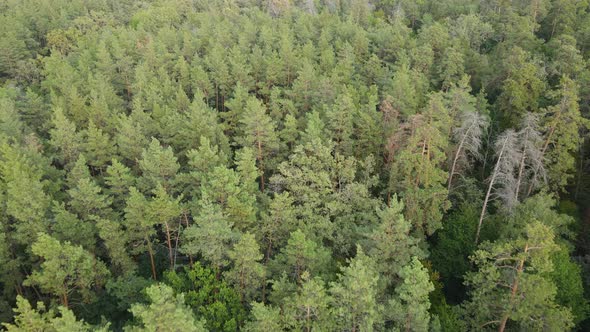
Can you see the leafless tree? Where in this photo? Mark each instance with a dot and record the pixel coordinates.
(507, 158)
(530, 167)
(469, 135)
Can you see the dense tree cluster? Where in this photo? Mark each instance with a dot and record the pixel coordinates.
(294, 165)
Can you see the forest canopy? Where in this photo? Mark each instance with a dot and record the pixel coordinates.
(294, 165)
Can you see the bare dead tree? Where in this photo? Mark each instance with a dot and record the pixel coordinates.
(531, 166)
(507, 158)
(469, 135)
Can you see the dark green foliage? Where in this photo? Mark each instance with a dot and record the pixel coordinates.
(209, 297)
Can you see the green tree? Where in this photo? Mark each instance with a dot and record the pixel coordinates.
(66, 269)
(264, 318)
(355, 295)
(418, 171)
(211, 298)
(309, 309)
(165, 312)
(29, 319)
(158, 165)
(259, 134)
(409, 309)
(247, 273)
(392, 246)
(511, 284)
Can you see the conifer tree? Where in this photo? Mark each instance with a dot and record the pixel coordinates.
(66, 269)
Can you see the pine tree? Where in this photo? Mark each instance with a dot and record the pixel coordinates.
(410, 307)
(165, 312)
(355, 295)
(392, 245)
(64, 137)
(510, 284)
(259, 134)
(212, 237)
(66, 269)
(247, 273)
(309, 309)
(158, 166)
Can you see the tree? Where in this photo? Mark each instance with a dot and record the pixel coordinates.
(247, 274)
(355, 295)
(139, 228)
(163, 210)
(165, 312)
(277, 223)
(211, 237)
(300, 255)
(24, 194)
(561, 123)
(511, 284)
(118, 179)
(259, 134)
(418, 171)
(64, 137)
(97, 146)
(469, 138)
(265, 318)
(29, 319)
(507, 157)
(309, 309)
(158, 165)
(66, 269)
(531, 155)
(410, 308)
(211, 298)
(392, 246)
(340, 123)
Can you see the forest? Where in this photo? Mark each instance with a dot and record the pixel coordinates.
(294, 165)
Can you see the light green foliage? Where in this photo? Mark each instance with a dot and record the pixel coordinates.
(309, 309)
(29, 319)
(301, 255)
(417, 170)
(64, 138)
(211, 237)
(165, 312)
(247, 273)
(158, 166)
(97, 146)
(511, 283)
(259, 134)
(24, 195)
(355, 295)
(66, 270)
(265, 318)
(392, 246)
(409, 309)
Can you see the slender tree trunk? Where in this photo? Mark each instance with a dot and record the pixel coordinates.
(457, 154)
(488, 193)
(65, 300)
(521, 168)
(513, 291)
(190, 257)
(261, 164)
(151, 253)
(169, 244)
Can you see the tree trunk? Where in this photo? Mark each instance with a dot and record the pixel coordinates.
(513, 291)
(150, 251)
(488, 193)
(457, 154)
(169, 244)
(521, 168)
